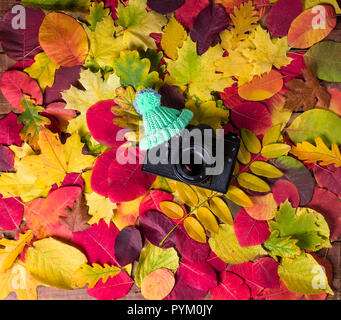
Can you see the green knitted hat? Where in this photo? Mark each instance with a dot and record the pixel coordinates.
(160, 123)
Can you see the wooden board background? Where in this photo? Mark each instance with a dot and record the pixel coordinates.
(45, 293)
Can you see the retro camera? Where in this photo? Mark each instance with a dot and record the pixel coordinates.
(196, 156)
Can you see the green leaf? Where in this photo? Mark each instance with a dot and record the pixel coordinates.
(155, 58)
(324, 60)
(316, 123)
(305, 225)
(251, 182)
(134, 71)
(43, 70)
(56, 5)
(272, 135)
(304, 275)
(226, 246)
(281, 246)
(153, 258)
(97, 14)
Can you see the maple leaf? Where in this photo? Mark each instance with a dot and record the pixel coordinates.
(137, 24)
(96, 90)
(281, 246)
(134, 71)
(198, 72)
(92, 274)
(320, 153)
(33, 122)
(77, 218)
(12, 248)
(307, 226)
(56, 159)
(173, 38)
(43, 70)
(105, 46)
(306, 95)
(99, 208)
(97, 14)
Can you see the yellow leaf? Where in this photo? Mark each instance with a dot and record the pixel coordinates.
(243, 156)
(172, 209)
(43, 70)
(221, 210)
(12, 248)
(238, 196)
(99, 208)
(320, 153)
(272, 135)
(186, 194)
(92, 274)
(173, 38)
(251, 182)
(53, 262)
(275, 150)
(207, 219)
(195, 230)
(264, 169)
(250, 140)
(127, 213)
(158, 284)
(56, 159)
(226, 246)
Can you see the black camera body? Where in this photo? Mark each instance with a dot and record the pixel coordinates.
(207, 162)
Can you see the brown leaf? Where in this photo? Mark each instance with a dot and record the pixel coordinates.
(77, 217)
(306, 95)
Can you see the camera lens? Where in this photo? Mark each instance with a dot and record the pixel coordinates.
(193, 163)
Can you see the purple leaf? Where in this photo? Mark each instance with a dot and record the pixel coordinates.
(11, 212)
(6, 159)
(128, 245)
(171, 97)
(207, 26)
(190, 249)
(155, 226)
(64, 78)
(298, 174)
(19, 34)
(281, 15)
(10, 130)
(165, 6)
(329, 177)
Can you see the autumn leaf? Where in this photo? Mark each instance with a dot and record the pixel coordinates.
(92, 274)
(320, 153)
(306, 94)
(64, 5)
(97, 14)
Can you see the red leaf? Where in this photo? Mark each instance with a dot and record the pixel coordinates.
(16, 83)
(215, 262)
(10, 130)
(128, 245)
(280, 293)
(189, 11)
(100, 123)
(294, 69)
(250, 232)
(152, 200)
(98, 243)
(155, 226)
(114, 288)
(264, 273)
(232, 287)
(11, 213)
(329, 206)
(200, 276)
(283, 190)
(21, 43)
(6, 159)
(281, 15)
(253, 116)
(329, 177)
(231, 97)
(190, 249)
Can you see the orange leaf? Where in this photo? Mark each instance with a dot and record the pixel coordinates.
(303, 33)
(263, 87)
(42, 215)
(63, 40)
(264, 207)
(158, 284)
(335, 103)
